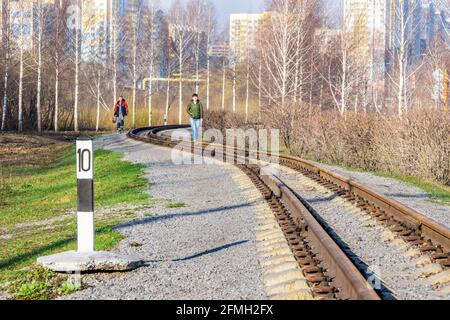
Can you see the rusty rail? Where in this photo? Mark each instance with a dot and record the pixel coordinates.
(346, 276)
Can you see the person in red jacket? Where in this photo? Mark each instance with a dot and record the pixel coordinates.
(120, 112)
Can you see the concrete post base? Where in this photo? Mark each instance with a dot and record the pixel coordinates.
(73, 261)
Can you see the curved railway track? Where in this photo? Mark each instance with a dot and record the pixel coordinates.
(329, 271)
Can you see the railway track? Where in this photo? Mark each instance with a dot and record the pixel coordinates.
(330, 273)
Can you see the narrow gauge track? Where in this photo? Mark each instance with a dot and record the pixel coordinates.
(329, 275)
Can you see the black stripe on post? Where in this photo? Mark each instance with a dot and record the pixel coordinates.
(85, 188)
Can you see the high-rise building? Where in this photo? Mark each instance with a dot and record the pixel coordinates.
(23, 20)
(368, 23)
(94, 30)
(244, 30)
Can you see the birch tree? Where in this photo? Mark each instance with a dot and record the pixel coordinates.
(224, 78)
(6, 48)
(21, 45)
(399, 75)
(56, 39)
(182, 36)
(136, 25)
(40, 23)
(118, 37)
(345, 66)
(77, 26)
(278, 56)
(151, 54)
(210, 12)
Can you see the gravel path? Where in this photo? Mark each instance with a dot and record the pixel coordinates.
(409, 195)
(377, 248)
(205, 250)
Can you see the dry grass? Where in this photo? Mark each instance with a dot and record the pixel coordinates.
(18, 149)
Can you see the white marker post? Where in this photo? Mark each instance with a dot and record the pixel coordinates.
(85, 258)
(85, 188)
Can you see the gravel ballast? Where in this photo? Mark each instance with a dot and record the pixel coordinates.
(203, 248)
(375, 248)
(409, 195)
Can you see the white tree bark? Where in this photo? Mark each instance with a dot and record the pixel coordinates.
(56, 92)
(21, 62)
(150, 93)
(180, 87)
(223, 83)
(114, 50)
(5, 92)
(197, 60)
(7, 58)
(77, 67)
(135, 49)
(152, 62)
(247, 89)
(57, 58)
(207, 82)
(234, 86)
(166, 113)
(97, 122)
(39, 66)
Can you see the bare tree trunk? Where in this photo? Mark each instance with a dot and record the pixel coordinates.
(259, 84)
(150, 88)
(77, 66)
(223, 84)
(39, 73)
(5, 93)
(21, 49)
(7, 57)
(180, 61)
(197, 61)
(401, 79)
(97, 123)
(344, 84)
(136, 27)
(234, 86)
(134, 79)
(114, 51)
(297, 64)
(207, 82)
(59, 9)
(166, 113)
(247, 88)
(311, 72)
(56, 92)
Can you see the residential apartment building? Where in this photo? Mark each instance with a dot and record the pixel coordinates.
(368, 23)
(94, 29)
(24, 20)
(244, 30)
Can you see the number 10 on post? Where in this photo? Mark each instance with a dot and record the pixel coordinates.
(85, 190)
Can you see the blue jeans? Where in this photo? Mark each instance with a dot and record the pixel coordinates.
(195, 125)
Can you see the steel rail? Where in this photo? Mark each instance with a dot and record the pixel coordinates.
(346, 277)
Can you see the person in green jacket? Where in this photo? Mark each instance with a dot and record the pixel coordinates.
(195, 111)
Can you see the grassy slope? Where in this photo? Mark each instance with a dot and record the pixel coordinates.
(43, 193)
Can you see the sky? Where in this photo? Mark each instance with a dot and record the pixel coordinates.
(225, 7)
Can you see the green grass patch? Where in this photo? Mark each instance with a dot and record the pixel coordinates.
(35, 194)
(175, 205)
(437, 192)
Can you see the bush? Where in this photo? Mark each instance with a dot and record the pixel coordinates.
(417, 145)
